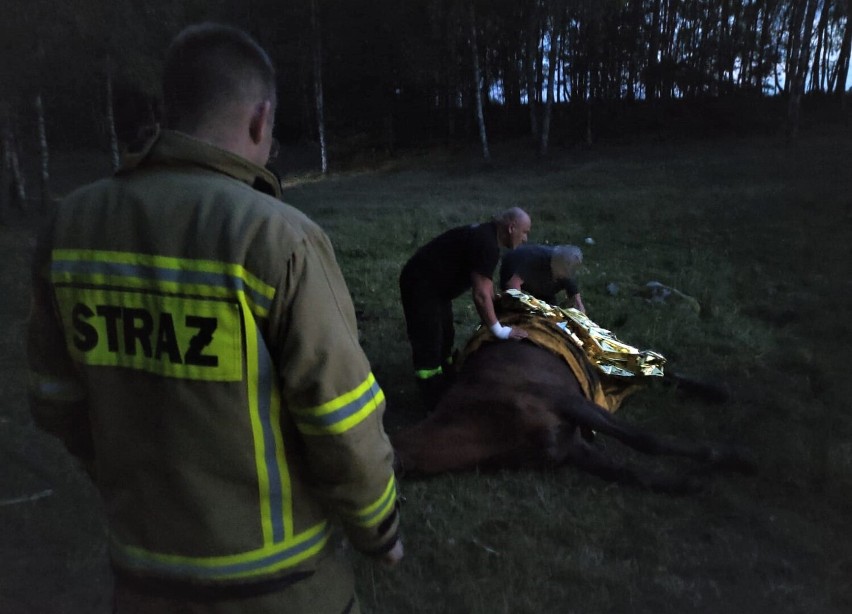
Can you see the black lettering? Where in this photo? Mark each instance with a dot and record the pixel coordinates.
(206, 327)
(167, 340)
(138, 325)
(87, 335)
(111, 315)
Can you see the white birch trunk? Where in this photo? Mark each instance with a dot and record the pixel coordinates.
(477, 86)
(318, 89)
(17, 176)
(532, 84)
(110, 116)
(5, 167)
(555, 34)
(45, 154)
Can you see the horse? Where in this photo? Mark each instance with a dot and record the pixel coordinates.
(520, 405)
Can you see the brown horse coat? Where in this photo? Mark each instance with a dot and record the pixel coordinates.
(515, 404)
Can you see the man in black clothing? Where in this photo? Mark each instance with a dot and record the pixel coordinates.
(461, 258)
(543, 271)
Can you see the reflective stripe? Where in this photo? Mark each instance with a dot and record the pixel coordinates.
(273, 474)
(343, 413)
(121, 278)
(50, 388)
(176, 275)
(265, 560)
(374, 513)
(427, 373)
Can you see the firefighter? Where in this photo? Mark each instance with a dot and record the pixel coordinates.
(457, 260)
(193, 341)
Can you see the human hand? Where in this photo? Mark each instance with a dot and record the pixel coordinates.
(518, 333)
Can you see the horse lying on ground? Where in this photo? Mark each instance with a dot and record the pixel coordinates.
(516, 404)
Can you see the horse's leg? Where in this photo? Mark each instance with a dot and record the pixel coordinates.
(544, 446)
(451, 442)
(587, 457)
(709, 391)
(587, 414)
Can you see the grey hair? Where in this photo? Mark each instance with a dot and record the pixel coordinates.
(565, 260)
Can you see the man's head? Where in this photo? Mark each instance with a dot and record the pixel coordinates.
(565, 260)
(514, 227)
(219, 86)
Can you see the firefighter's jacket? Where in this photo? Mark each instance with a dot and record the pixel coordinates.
(194, 338)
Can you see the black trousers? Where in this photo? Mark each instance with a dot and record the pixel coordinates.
(428, 323)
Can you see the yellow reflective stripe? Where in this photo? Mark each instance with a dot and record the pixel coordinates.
(202, 277)
(374, 513)
(268, 559)
(51, 388)
(286, 502)
(427, 373)
(274, 486)
(342, 413)
(258, 433)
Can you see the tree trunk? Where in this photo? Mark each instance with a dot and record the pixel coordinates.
(45, 155)
(761, 61)
(5, 164)
(797, 17)
(799, 69)
(110, 117)
(653, 66)
(842, 67)
(818, 52)
(477, 84)
(318, 89)
(723, 49)
(530, 68)
(12, 161)
(634, 61)
(556, 21)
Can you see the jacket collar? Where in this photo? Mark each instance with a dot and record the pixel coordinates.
(173, 148)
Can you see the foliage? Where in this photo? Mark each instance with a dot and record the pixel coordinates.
(399, 74)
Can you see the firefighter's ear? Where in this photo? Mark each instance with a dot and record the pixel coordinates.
(260, 122)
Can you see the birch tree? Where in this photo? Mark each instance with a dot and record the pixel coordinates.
(477, 83)
(556, 19)
(316, 53)
(44, 155)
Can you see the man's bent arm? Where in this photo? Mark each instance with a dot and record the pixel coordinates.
(483, 299)
(336, 403)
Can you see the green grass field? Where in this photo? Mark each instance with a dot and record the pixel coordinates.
(756, 230)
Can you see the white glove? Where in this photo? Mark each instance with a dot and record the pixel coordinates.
(500, 331)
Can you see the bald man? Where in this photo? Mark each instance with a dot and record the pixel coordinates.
(458, 260)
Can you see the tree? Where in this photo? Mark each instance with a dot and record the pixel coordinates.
(557, 20)
(318, 89)
(802, 22)
(477, 83)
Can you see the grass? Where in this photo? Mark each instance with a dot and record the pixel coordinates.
(757, 231)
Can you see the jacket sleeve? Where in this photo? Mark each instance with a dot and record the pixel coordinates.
(56, 394)
(334, 399)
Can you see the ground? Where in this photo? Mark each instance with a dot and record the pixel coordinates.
(755, 229)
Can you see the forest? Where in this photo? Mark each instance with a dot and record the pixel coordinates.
(381, 76)
(701, 144)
